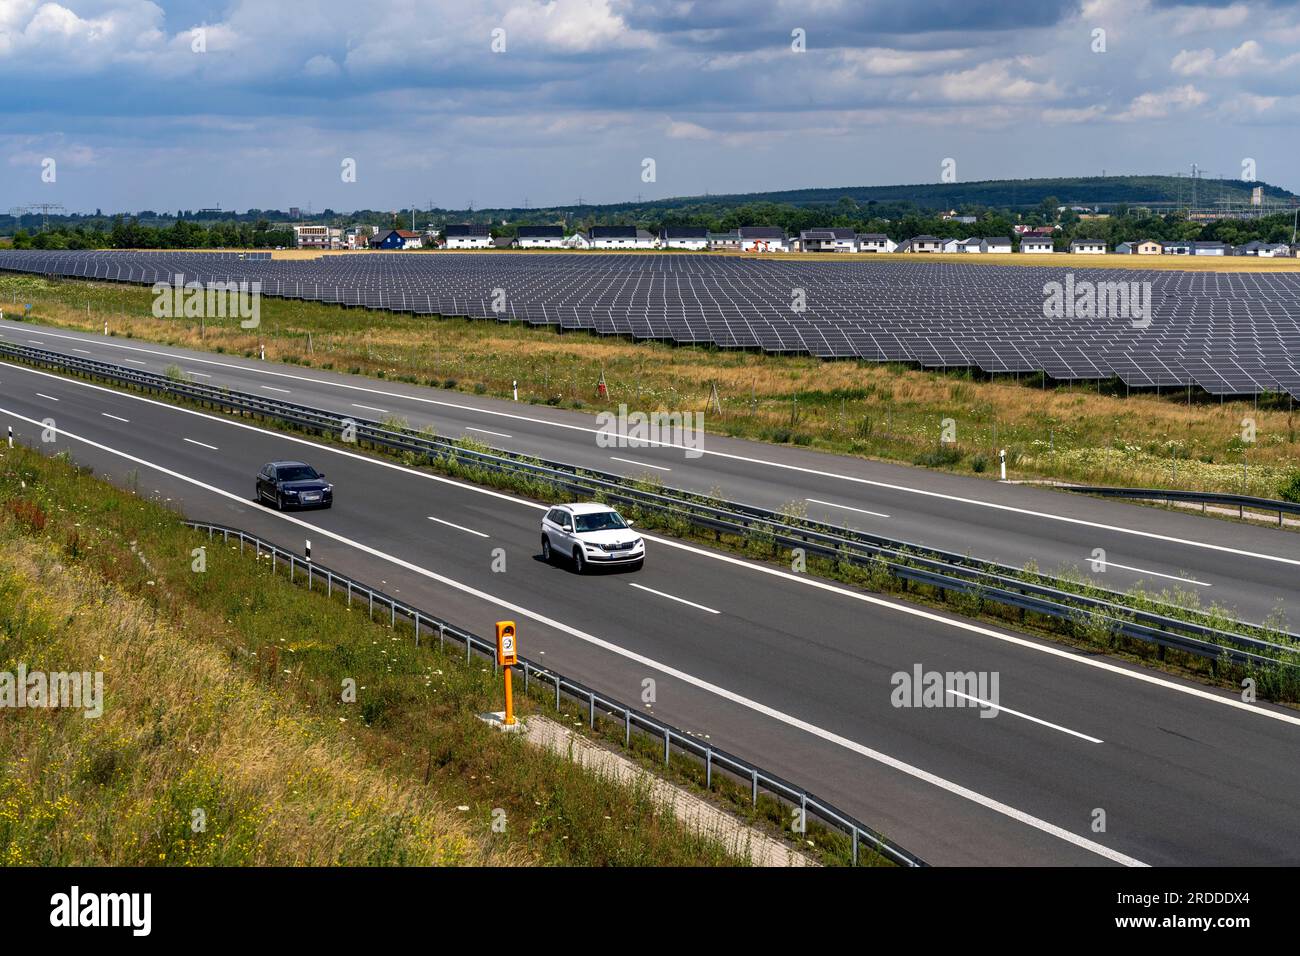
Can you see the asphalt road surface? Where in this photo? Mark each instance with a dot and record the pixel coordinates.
(793, 673)
(1249, 570)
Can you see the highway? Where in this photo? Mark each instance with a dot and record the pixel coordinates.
(788, 671)
(1249, 570)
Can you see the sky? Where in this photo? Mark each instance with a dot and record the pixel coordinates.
(125, 105)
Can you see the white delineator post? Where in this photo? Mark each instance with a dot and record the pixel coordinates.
(1002, 456)
(308, 548)
(514, 388)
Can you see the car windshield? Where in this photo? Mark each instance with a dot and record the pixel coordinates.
(296, 473)
(599, 521)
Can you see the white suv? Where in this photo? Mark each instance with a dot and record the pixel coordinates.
(590, 534)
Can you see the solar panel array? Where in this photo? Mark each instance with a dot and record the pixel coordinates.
(1228, 333)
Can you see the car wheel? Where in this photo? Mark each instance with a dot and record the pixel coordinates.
(579, 562)
(547, 556)
(279, 501)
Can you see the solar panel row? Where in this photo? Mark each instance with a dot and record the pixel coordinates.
(1228, 333)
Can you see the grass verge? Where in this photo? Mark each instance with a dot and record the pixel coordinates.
(223, 704)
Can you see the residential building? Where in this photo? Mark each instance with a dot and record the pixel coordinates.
(996, 245)
(1089, 247)
(724, 240)
(397, 239)
(921, 244)
(1177, 248)
(762, 239)
(317, 237)
(540, 237)
(613, 237)
(875, 242)
(684, 237)
(1037, 245)
(467, 235)
(1211, 249)
(828, 240)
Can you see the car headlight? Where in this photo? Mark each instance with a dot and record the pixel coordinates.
(290, 491)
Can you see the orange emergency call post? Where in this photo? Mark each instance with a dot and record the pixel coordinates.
(507, 657)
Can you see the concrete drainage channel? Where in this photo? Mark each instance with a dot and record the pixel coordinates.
(861, 844)
(946, 572)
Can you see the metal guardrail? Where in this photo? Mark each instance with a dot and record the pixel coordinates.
(309, 572)
(1197, 497)
(946, 571)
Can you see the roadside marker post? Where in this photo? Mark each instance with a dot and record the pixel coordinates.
(1002, 456)
(514, 389)
(507, 657)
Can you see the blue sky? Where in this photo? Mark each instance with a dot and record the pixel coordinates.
(196, 103)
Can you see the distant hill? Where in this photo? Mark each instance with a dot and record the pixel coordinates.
(998, 193)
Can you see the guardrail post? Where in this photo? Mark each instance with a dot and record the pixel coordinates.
(417, 628)
(627, 726)
(392, 621)
(469, 646)
(291, 568)
(349, 592)
(525, 677)
(557, 691)
(591, 713)
(667, 745)
(754, 786)
(855, 846)
(329, 584)
(708, 768)
(441, 634)
(371, 610)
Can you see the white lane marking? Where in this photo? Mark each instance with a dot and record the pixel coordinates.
(673, 597)
(271, 388)
(43, 395)
(116, 417)
(201, 444)
(83, 351)
(135, 361)
(458, 527)
(198, 374)
(851, 745)
(820, 473)
(1174, 577)
(801, 579)
(35, 342)
(831, 504)
(370, 408)
(1016, 713)
(484, 431)
(639, 464)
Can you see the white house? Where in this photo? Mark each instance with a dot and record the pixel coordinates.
(762, 239)
(612, 237)
(828, 240)
(724, 240)
(875, 242)
(684, 237)
(1037, 245)
(317, 237)
(1263, 250)
(995, 244)
(1088, 247)
(467, 236)
(1176, 248)
(645, 239)
(921, 244)
(1210, 249)
(959, 245)
(540, 237)
(579, 240)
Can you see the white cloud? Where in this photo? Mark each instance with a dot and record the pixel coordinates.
(1156, 105)
(1247, 58)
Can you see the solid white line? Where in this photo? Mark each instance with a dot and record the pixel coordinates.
(50, 397)
(117, 417)
(734, 457)
(673, 597)
(35, 342)
(271, 388)
(486, 432)
(831, 504)
(201, 444)
(1174, 577)
(458, 527)
(83, 351)
(748, 459)
(370, 408)
(135, 361)
(198, 374)
(1015, 713)
(802, 579)
(954, 788)
(639, 464)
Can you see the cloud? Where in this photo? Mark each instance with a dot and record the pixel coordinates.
(1246, 58)
(1157, 105)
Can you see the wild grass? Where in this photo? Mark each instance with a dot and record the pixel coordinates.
(1084, 433)
(224, 695)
